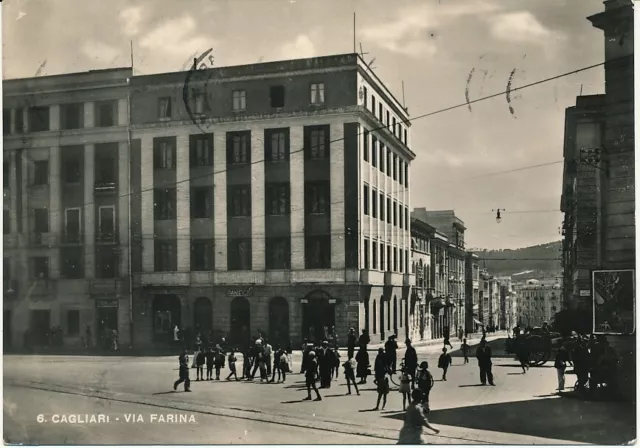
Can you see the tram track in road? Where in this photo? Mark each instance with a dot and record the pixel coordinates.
(348, 428)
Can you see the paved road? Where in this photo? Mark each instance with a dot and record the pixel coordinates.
(521, 409)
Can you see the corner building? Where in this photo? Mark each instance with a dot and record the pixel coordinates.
(270, 198)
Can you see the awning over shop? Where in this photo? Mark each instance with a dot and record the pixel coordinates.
(478, 322)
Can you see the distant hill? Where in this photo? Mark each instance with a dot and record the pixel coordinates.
(542, 261)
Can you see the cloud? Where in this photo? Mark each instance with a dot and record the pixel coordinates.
(176, 38)
(130, 19)
(520, 26)
(100, 51)
(409, 33)
(301, 47)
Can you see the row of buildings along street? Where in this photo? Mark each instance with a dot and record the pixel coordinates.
(275, 200)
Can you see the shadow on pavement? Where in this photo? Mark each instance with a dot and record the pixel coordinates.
(473, 385)
(165, 393)
(555, 418)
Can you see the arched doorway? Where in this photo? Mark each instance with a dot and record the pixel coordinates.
(240, 332)
(375, 317)
(318, 316)
(279, 322)
(167, 313)
(202, 315)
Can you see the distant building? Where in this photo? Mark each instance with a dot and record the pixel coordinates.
(538, 302)
(472, 294)
(489, 300)
(506, 303)
(421, 318)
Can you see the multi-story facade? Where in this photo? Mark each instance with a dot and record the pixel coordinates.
(440, 303)
(472, 293)
(538, 302)
(421, 319)
(268, 198)
(66, 207)
(506, 303)
(276, 202)
(489, 300)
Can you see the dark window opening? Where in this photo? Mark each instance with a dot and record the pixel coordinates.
(239, 201)
(202, 255)
(318, 252)
(164, 153)
(238, 148)
(389, 211)
(366, 254)
(40, 267)
(277, 145)
(239, 254)
(277, 96)
(164, 201)
(106, 262)
(73, 225)
(165, 254)
(317, 197)
(374, 255)
(278, 253)
(201, 150)
(72, 262)
(72, 116)
(105, 114)
(164, 108)
(107, 223)
(39, 119)
(72, 171)
(41, 172)
(278, 199)
(382, 210)
(374, 203)
(73, 323)
(201, 202)
(365, 199)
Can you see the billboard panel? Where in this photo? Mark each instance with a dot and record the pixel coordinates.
(614, 301)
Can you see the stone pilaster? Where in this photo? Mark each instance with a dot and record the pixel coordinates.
(146, 195)
(220, 200)
(183, 209)
(336, 189)
(257, 200)
(54, 117)
(124, 196)
(55, 212)
(89, 120)
(89, 212)
(296, 167)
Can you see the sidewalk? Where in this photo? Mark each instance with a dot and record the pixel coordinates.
(473, 338)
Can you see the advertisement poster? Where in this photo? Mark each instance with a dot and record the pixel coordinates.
(614, 301)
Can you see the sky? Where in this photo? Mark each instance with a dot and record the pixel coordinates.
(443, 50)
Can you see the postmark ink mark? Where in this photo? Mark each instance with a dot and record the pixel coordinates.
(466, 90)
(508, 93)
(192, 97)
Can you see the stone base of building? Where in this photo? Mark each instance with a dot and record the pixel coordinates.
(282, 314)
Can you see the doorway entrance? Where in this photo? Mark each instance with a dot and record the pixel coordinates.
(107, 321)
(167, 313)
(202, 315)
(40, 326)
(240, 321)
(279, 322)
(318, 317)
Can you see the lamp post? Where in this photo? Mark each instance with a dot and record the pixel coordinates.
(498, 217)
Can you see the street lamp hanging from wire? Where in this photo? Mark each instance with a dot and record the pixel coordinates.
(498, 217)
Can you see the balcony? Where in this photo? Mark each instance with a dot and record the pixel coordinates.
(105, 188)
(368, 277)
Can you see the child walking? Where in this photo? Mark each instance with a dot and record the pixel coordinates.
(383, 391)
(444, 362)
(232, 366)
(350, 375)
(465, 350)
(425, 383)
(405, 388)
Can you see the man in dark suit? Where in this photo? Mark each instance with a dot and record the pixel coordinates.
(483, 354)
(183, 361)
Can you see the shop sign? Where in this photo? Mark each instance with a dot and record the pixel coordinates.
(585, 293)
(239, 292)
(107, 303)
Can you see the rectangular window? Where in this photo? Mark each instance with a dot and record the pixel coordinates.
(405, 136)
(388, 259)
(165, 254)
(365, 200)
(276, 94)
(318, 252)
(164, 204)
(382, 210)
(389, 162)
(401, 213)
(395, 167)
(374, 152)
(39, 119)
(317, 197)
(6, 222)
(400, 130)
(164, 108)
(39, 267)
(238, 148)
(40, 220)
(374, 203)
(41, 172)
(278, 253)
(395, 213)
(107, 223)
(317, 93)
(105, 113)
(383, 266)
(71, 116)
(19, 116)
(6, 121)
(373, 105)
(105, 172)
(394, 126)
(201, 202)
(277, 145)
(365, 98)
(72, 262)
(239, 100)
(380, 112)
(198, 101)
(382, 156)
(365, 263)
(395, 259)
(389, 211)
(406, 175)
(164, 153)
(401, 259)
(106, 262)
(202, 255)
(374, 255)
(72, 172)
(400, 172)
(318, 143)
(201, 150)
(365, 147)
(72, 225)
(239, 202)
(406, 259)
(239, 254)
(277, 199)
(73, 323)
(406, 218)
(388, 121)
